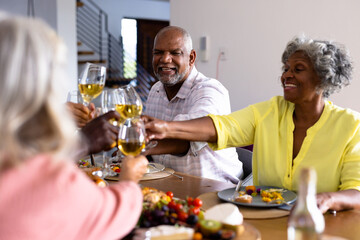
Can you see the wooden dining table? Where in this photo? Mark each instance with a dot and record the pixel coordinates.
(344, 225)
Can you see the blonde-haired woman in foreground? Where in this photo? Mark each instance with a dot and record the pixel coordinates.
(43, 195)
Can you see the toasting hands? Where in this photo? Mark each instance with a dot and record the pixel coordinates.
(100, 134)
(81, 113)
(155, 128)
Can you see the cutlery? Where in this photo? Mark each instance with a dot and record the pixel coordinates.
(171, 173)
(92, 160)
(237, 189)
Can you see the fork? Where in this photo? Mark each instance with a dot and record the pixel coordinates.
(171, 173)
(237, 189)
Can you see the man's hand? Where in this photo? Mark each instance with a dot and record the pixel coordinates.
(100, 134)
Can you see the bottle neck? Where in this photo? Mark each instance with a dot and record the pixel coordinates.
(307, 191)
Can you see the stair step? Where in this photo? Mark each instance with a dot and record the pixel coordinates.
(117, 82)
(92, 61)
(79, 4)
(119, 79)
(85, 53)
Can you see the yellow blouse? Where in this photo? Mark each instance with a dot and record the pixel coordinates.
(331, 145)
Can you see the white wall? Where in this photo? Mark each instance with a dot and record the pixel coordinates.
(143, 9)
(61, 16)
(66, 28)
(254, 35)
(44, 9)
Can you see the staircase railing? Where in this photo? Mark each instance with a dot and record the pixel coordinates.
(91, 24)
(92, 30)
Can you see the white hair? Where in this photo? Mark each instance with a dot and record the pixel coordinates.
(32, 118)
(185, 35)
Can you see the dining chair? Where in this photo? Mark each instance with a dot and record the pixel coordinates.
(245, 156)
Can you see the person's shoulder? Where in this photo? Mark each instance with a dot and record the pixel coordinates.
(276, 101)
(202, 81)
(276, 104)
(347, 113)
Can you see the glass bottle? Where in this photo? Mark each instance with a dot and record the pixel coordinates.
(306, 220)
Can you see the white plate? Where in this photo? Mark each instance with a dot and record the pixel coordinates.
(227, 195)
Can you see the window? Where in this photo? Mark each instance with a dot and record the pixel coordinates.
(129, 38)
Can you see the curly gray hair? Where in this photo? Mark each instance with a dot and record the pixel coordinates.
(331, 61)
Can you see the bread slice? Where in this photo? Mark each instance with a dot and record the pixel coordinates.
(244, 199)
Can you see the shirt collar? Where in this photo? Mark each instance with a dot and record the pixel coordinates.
(184, 91)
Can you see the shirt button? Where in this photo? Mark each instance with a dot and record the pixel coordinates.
(288, 175)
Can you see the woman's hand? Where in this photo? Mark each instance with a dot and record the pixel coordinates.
(325, 201)
(81, 113)
(155, 128)
(338, 201)
(133, 168)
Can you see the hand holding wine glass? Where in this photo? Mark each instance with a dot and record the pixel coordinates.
(82, 114)
(91, 82)
(99, 133)
(133, 168)
(113, 100)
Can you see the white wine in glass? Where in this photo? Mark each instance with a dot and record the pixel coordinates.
(131, 139)
(133, 105)
(91, 82)
(111, 99)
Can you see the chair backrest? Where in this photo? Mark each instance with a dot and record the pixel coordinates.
(245, 156)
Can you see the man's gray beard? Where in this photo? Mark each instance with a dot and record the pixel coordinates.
(172, 81)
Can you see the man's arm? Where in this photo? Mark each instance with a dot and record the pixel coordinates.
(170, 146)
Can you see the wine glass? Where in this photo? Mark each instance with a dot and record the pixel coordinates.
(133, 105)
(113, 100)
(131, 139)
(91, 82)
(74, 96)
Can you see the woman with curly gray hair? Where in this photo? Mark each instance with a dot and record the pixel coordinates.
(300, 129)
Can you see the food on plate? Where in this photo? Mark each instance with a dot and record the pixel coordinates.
(166, 232)
(209, 227)
(116, 167)
(273, 195)
(96, 179)
(83, 163)
(228, 215)
(160, 208)
(100, 182)
(244, 198)
(152, 196)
